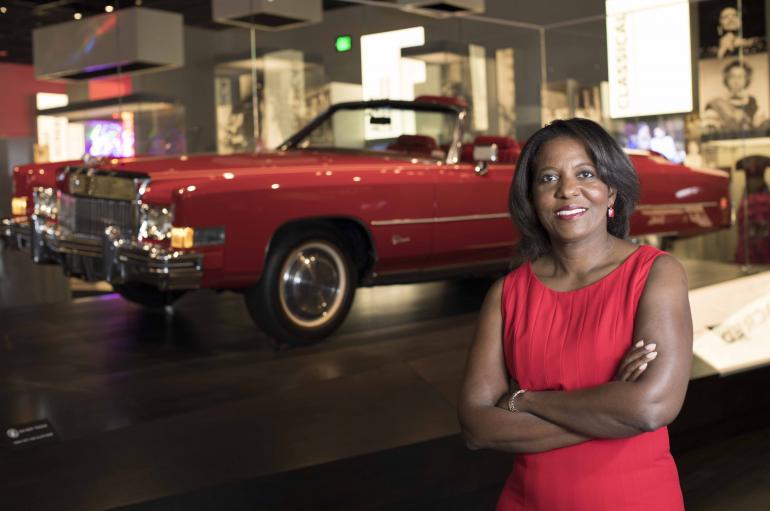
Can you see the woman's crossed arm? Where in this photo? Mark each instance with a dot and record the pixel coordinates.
(640, 399)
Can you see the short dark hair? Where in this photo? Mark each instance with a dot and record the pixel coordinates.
(737, 63)
(612, 165)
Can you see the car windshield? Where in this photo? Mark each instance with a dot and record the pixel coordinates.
(425, 133)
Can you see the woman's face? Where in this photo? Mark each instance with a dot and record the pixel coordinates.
(569, 198)
(736, 79)
(729, 19)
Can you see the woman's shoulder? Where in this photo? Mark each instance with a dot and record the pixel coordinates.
(644, 255)
(666, 278)
(666, 266)
(659, 268)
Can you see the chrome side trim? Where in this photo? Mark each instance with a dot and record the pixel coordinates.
(497, 216)
(680, 205)
(440, 219)
(501, 266)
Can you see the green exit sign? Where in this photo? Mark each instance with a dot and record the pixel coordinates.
(343, 43)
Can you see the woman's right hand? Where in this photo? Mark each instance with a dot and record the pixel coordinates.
(636, 361)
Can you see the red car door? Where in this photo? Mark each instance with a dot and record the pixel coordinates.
(471, 214)
(399, 209)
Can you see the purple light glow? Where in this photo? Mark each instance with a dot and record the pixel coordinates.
(109, 138)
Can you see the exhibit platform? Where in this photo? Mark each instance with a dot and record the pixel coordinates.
(195, 409)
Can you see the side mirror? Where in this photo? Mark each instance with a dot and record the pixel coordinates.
(485, 153)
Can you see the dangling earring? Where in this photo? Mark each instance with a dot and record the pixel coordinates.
(611, 212)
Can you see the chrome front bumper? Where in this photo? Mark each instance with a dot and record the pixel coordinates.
(110, 258)
(15, 233)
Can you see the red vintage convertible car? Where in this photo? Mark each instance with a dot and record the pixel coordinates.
(368, 193)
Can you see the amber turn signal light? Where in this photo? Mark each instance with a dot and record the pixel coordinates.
(182, 237)
(19, 206)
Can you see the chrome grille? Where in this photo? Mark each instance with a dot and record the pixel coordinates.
(87, 216)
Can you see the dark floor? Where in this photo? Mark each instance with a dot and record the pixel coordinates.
(732, 474)
(198, 410)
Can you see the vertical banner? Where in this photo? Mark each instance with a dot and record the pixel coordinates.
(649, 63)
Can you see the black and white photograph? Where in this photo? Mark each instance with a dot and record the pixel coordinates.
(733, 95)
(726, 31)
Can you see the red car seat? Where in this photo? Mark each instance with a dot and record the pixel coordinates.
(466, 153)
(414, 144)
(508, 149)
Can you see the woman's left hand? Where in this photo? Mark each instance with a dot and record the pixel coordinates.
(636, 361)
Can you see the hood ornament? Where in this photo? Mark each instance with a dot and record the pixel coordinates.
(92, 161)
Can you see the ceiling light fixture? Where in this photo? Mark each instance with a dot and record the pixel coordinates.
(77, 16)
(109, 8)
(3, 9)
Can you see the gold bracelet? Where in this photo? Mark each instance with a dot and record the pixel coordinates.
(511, 405)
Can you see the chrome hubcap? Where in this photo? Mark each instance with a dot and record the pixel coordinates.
(313, 284)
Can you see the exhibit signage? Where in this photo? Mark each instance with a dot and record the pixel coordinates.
(741, 341)
(648, 57)
(29, 434)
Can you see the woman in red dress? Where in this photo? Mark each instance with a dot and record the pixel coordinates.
(582, 354)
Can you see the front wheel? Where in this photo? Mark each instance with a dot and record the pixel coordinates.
(306, 289)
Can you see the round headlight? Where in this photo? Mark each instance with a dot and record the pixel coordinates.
(46, 202)
(155, 222)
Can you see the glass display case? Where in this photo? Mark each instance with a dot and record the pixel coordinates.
(132, 125)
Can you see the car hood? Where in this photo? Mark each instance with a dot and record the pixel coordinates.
(212, 166)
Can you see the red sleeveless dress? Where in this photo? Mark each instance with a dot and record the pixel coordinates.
(566, 340)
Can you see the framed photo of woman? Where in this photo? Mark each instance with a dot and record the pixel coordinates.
(734, 96)
(725, 32)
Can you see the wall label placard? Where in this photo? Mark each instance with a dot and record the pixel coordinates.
(29, 434)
